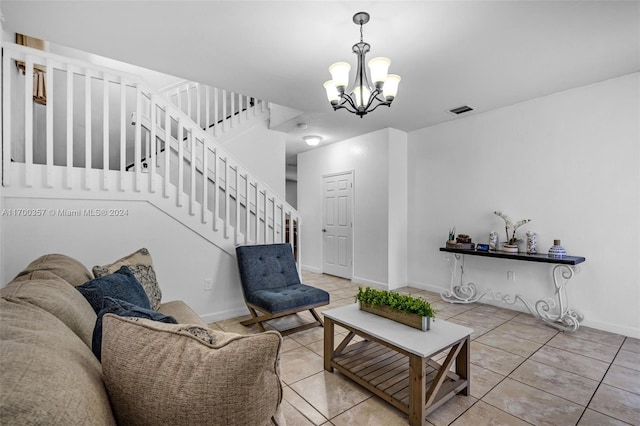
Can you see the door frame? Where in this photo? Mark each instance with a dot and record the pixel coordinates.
(352, 203)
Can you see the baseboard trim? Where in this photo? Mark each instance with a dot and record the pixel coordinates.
(311, 269)
(612, 328)
(370, 283)
(223, 315)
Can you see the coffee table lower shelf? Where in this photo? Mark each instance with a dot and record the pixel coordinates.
(411, 383)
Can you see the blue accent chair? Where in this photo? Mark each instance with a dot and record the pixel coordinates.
(271, 286)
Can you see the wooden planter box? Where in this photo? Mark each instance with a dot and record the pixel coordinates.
(412, 320)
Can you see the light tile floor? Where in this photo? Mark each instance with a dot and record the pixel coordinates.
(522, 371)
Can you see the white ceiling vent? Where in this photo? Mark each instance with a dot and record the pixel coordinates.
(461, 110)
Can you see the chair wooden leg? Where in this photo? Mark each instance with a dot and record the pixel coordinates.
(317, 317)
(253, 320)
(259, 317)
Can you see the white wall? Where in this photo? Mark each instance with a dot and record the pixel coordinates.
(571, 163)
(182, 259)
(398, 187)
(263, 152)
(368, 157)
(292, 193)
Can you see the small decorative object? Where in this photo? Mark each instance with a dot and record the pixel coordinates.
(532, 242)
(493, 240)
(463, 241)
(451, 242)
(412, 311)
(557, 251)
(482, 247)
(463, 238)
(511, 246)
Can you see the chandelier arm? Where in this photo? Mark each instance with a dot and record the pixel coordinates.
(375, 96)
(382, 100)
(380, 104)
(346, 108)
(348, 99)
(372, 97)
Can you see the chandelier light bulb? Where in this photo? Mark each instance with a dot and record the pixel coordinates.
(379, 68)
(364, 96)
(340, 74)
(332, 92)
(390, 89)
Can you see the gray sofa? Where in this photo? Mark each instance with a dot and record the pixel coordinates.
(151, 373)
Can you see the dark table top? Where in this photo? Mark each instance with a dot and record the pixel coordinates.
(538, 257)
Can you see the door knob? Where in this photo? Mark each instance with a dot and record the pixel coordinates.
(324, 230)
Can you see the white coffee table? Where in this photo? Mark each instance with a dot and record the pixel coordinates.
(394, 360)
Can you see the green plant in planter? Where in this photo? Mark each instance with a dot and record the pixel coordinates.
(463, 238)
(396, 301)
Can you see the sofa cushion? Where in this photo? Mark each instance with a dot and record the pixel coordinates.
(141, 264)
(123, 309)
(159, 373)
(181, 312)
(47, 374)
(65, 267)
(121, 285)
(56, 296)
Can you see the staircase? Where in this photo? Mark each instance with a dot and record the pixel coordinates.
(104, 134)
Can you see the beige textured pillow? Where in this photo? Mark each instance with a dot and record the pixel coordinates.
(159, 373)
(141, 265)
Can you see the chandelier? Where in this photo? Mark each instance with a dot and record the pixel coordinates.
(362, 98)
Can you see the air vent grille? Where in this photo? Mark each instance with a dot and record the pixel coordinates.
(461, 110)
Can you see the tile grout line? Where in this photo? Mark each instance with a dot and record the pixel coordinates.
(494, 386)
(310, 405)
(600, 383)
(508, 375)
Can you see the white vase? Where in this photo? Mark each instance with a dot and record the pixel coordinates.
(532, 242)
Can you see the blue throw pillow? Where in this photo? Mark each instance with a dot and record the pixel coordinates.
(123, 309)
(121, 285)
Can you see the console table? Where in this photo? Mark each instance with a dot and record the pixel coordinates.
(557, 315)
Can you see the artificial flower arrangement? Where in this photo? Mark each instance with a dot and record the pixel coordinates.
(509, 224)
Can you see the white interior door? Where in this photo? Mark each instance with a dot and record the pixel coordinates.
(337, 225)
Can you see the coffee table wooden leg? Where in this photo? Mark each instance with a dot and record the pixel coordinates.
(417, 394)
(463, 365)
(328, 343)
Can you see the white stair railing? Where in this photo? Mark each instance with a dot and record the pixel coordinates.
(85, 130)
(215, 110)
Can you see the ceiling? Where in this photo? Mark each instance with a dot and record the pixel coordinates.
(485, 54)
